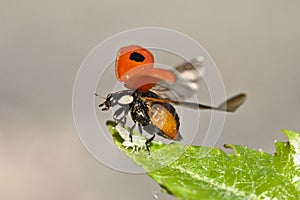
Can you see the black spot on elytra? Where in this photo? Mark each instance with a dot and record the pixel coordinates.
(137, 57)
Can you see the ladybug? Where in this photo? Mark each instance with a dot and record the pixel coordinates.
(151, 92)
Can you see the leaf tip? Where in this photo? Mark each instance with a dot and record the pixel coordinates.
(290, 134)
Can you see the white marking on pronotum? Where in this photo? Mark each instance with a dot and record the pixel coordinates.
(125, 100)
(138, 142)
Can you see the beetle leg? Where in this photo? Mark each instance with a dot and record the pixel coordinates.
(124, 118)
(147, 143)
(131, 131)
(140, 128)
(121, 111)
(117, 113)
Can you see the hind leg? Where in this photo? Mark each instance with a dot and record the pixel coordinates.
(147, 143)
(131, 131)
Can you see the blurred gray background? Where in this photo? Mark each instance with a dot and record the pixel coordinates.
(256, 45)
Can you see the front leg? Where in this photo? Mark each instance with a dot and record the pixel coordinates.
(119, 112)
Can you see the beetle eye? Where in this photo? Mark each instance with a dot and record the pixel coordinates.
(109, 97)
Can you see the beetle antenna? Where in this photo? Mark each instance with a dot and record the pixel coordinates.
(98, 95)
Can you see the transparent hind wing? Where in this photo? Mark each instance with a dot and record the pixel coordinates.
(189, 75)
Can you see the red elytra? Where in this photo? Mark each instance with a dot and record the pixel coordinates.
(135, 67)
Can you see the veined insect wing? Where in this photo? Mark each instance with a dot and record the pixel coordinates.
(189, 75)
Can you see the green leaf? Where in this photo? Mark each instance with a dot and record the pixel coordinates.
(195, 172)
